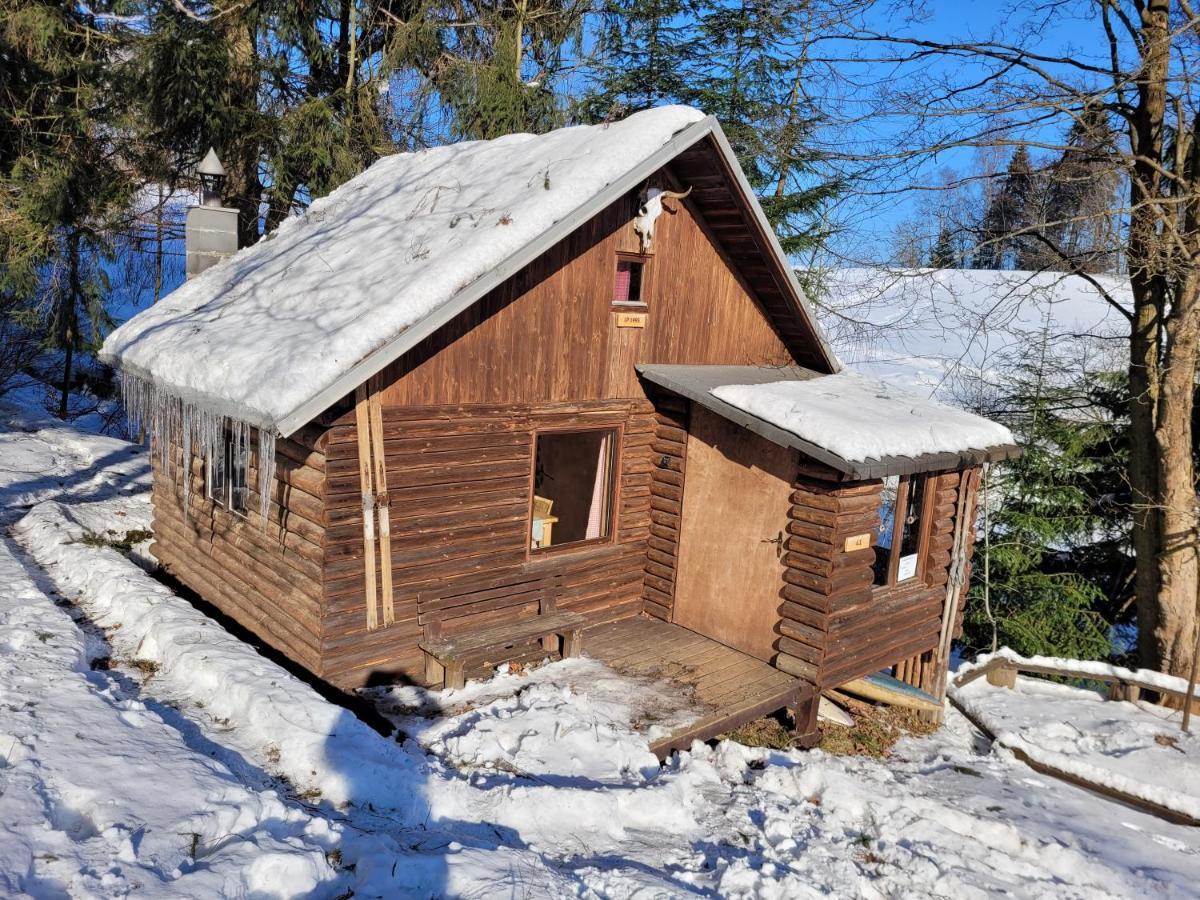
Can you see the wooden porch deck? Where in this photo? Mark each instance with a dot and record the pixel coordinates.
(727, 687)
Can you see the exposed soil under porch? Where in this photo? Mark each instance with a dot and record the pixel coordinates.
(725, 687)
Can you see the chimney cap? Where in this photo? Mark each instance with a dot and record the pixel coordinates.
(211, 165)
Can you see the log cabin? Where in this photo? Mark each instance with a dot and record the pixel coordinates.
(551, 394)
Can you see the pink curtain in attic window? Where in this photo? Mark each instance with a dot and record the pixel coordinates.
(595, 520)
(621, 286)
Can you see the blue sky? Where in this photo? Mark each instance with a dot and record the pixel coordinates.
(872, 219)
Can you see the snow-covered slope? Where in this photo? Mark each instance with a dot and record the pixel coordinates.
(256, 336)
(952, 332)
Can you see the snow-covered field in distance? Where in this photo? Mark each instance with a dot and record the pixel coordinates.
(955, 333)
(144, 751)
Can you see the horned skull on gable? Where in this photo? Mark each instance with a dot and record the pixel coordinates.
(650, 207)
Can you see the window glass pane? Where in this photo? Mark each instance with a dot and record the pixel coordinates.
(910, 530)
(216, 477)
(572, 495)
(887, 527)
(628, 286)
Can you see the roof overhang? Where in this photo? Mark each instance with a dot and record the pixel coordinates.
(377, 361)
(696, 383)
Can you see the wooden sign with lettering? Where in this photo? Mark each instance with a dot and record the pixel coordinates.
(631, 320)
(858, 542)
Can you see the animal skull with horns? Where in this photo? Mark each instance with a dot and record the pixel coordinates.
(649, 209)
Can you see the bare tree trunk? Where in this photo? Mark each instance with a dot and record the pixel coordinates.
(1173, 633)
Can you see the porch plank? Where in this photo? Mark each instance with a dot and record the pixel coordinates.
(727, 687)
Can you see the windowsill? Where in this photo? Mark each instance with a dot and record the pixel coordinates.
(914, 585)
(629, 306)
(545, 554)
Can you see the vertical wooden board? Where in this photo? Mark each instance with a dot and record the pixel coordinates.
(366, 476)
(382, 501)
(735, 504)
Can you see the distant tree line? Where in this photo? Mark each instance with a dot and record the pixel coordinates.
(1060, 213)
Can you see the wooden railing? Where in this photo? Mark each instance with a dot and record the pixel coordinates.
(1128, 685)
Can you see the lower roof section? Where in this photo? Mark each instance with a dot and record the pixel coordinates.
(833, 418)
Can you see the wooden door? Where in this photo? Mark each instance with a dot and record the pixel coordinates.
(737, 490)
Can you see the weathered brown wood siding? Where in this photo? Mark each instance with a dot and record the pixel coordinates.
(549, 333)
(265, 576)
(834, 624)
(460, 486)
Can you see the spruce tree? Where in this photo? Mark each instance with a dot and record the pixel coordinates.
(1046, 578)
(745, 67)
(502, 65)
(1003, 239)
(944, 255)
(64, 169)
(1081, 190)
(644, 46)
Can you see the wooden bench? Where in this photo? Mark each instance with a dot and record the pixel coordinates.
(530, 599)
(451, 654)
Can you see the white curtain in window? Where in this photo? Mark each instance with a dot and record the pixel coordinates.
(596, 510)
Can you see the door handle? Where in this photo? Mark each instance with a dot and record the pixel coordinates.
(778, 542)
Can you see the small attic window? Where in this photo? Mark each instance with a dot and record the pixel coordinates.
(627, 287)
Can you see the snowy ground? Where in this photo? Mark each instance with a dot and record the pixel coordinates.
(1136, 748)
(146, 752)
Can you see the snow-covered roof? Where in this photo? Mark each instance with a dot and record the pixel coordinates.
(286, 328)
(856, 424)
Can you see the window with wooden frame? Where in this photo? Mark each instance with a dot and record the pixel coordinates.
(629, 280)
(226, 481)
(900, 540)
(574, 489)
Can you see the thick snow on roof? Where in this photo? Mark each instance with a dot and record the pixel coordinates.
(260, 334)
(860, 418)
(954, 333)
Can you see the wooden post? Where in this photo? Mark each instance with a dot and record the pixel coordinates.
(547, 605)
(1003, 676)
(455, 674)
(572, 643)
(375, 419)
(366, 478)
(1123, 690)
(807, 733)
(955, 586)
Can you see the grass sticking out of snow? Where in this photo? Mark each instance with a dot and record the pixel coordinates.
(122, 542)
(771, 732)
(875, 731)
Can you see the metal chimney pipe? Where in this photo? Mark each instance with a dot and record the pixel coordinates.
(211, 233)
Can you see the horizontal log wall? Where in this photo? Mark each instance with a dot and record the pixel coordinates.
(821, 579)
(264, 574)
(459, 482)
(888, 625)
(835, 626)
(668, 453)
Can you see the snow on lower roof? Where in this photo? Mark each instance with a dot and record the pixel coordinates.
(859, 418)
(258, 335)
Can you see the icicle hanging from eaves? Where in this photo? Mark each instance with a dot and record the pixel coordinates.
(169, 420)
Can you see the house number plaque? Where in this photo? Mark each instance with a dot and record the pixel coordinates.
(858, 542)
(631, 320)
